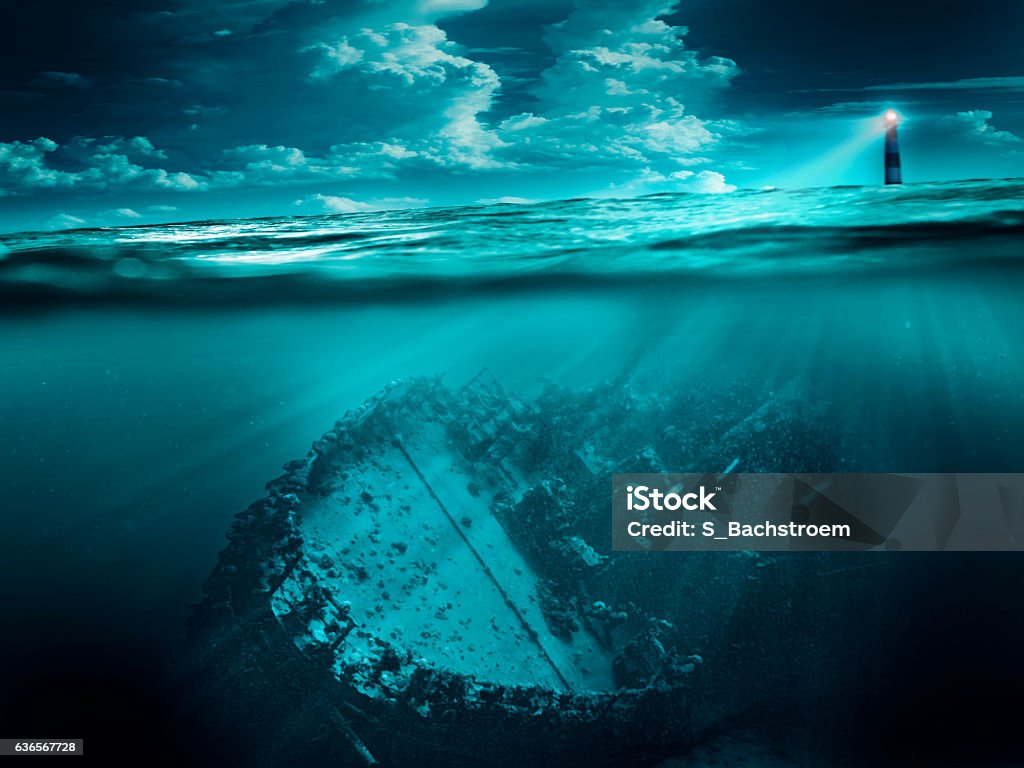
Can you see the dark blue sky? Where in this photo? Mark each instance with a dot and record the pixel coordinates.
(128, 111)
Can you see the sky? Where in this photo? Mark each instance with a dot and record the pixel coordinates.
(141, 111)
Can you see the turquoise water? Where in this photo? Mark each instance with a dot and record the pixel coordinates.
(924, 229)
(154, 378)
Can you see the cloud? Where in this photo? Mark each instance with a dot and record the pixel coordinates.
(650, 181)
(974, 126)
(24, 164)
(138, 144)
(260, 163)
(156, 81)
(116, 162)
(507, 200)
(70, 79)
(710, 183)
(1011, 83)
(416, 64)
(396, 151)
(624, 87)
(523, 122)
(450, 6)
(333, 204)
(125, 213)
(65, 221)
(334, 58)
(318, 93)
(340, 204)
(410, 201)
(89, 163)
(627, 52)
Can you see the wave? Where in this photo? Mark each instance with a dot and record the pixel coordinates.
(851, 232)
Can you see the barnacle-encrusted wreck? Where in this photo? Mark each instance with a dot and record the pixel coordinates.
(432, 585)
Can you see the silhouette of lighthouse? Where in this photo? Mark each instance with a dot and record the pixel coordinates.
(893, 173)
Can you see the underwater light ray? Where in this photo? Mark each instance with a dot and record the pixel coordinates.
(322, 390)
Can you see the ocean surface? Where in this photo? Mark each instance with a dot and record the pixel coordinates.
(928, 230)
(153, 378)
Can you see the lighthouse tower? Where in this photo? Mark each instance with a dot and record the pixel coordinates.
(893, 173)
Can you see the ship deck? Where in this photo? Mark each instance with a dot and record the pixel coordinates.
(408, 539)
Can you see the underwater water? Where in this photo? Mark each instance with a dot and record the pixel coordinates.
(152, 379)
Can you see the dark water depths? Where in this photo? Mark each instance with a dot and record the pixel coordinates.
(153, 379)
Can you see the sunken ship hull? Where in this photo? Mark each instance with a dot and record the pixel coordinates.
(433, 585)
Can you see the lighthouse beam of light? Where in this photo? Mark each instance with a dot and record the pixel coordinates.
(829, 169)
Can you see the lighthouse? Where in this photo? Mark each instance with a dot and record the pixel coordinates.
(893, 174)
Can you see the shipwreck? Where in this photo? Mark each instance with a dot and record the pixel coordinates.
(433, 584)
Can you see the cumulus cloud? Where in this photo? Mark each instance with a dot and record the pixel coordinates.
(523, 122)
(260, 164)
(341, 204)
(118, 162)
(88, 162)
(373, 90)
(263, 164)
(25, 164)
(418, 59)
(334, 57)
(333, 204)
(622, 91)
(608, 48)
(649, 181)
(396, 151)
(974, 126)
(624, 87)
(709, 182)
